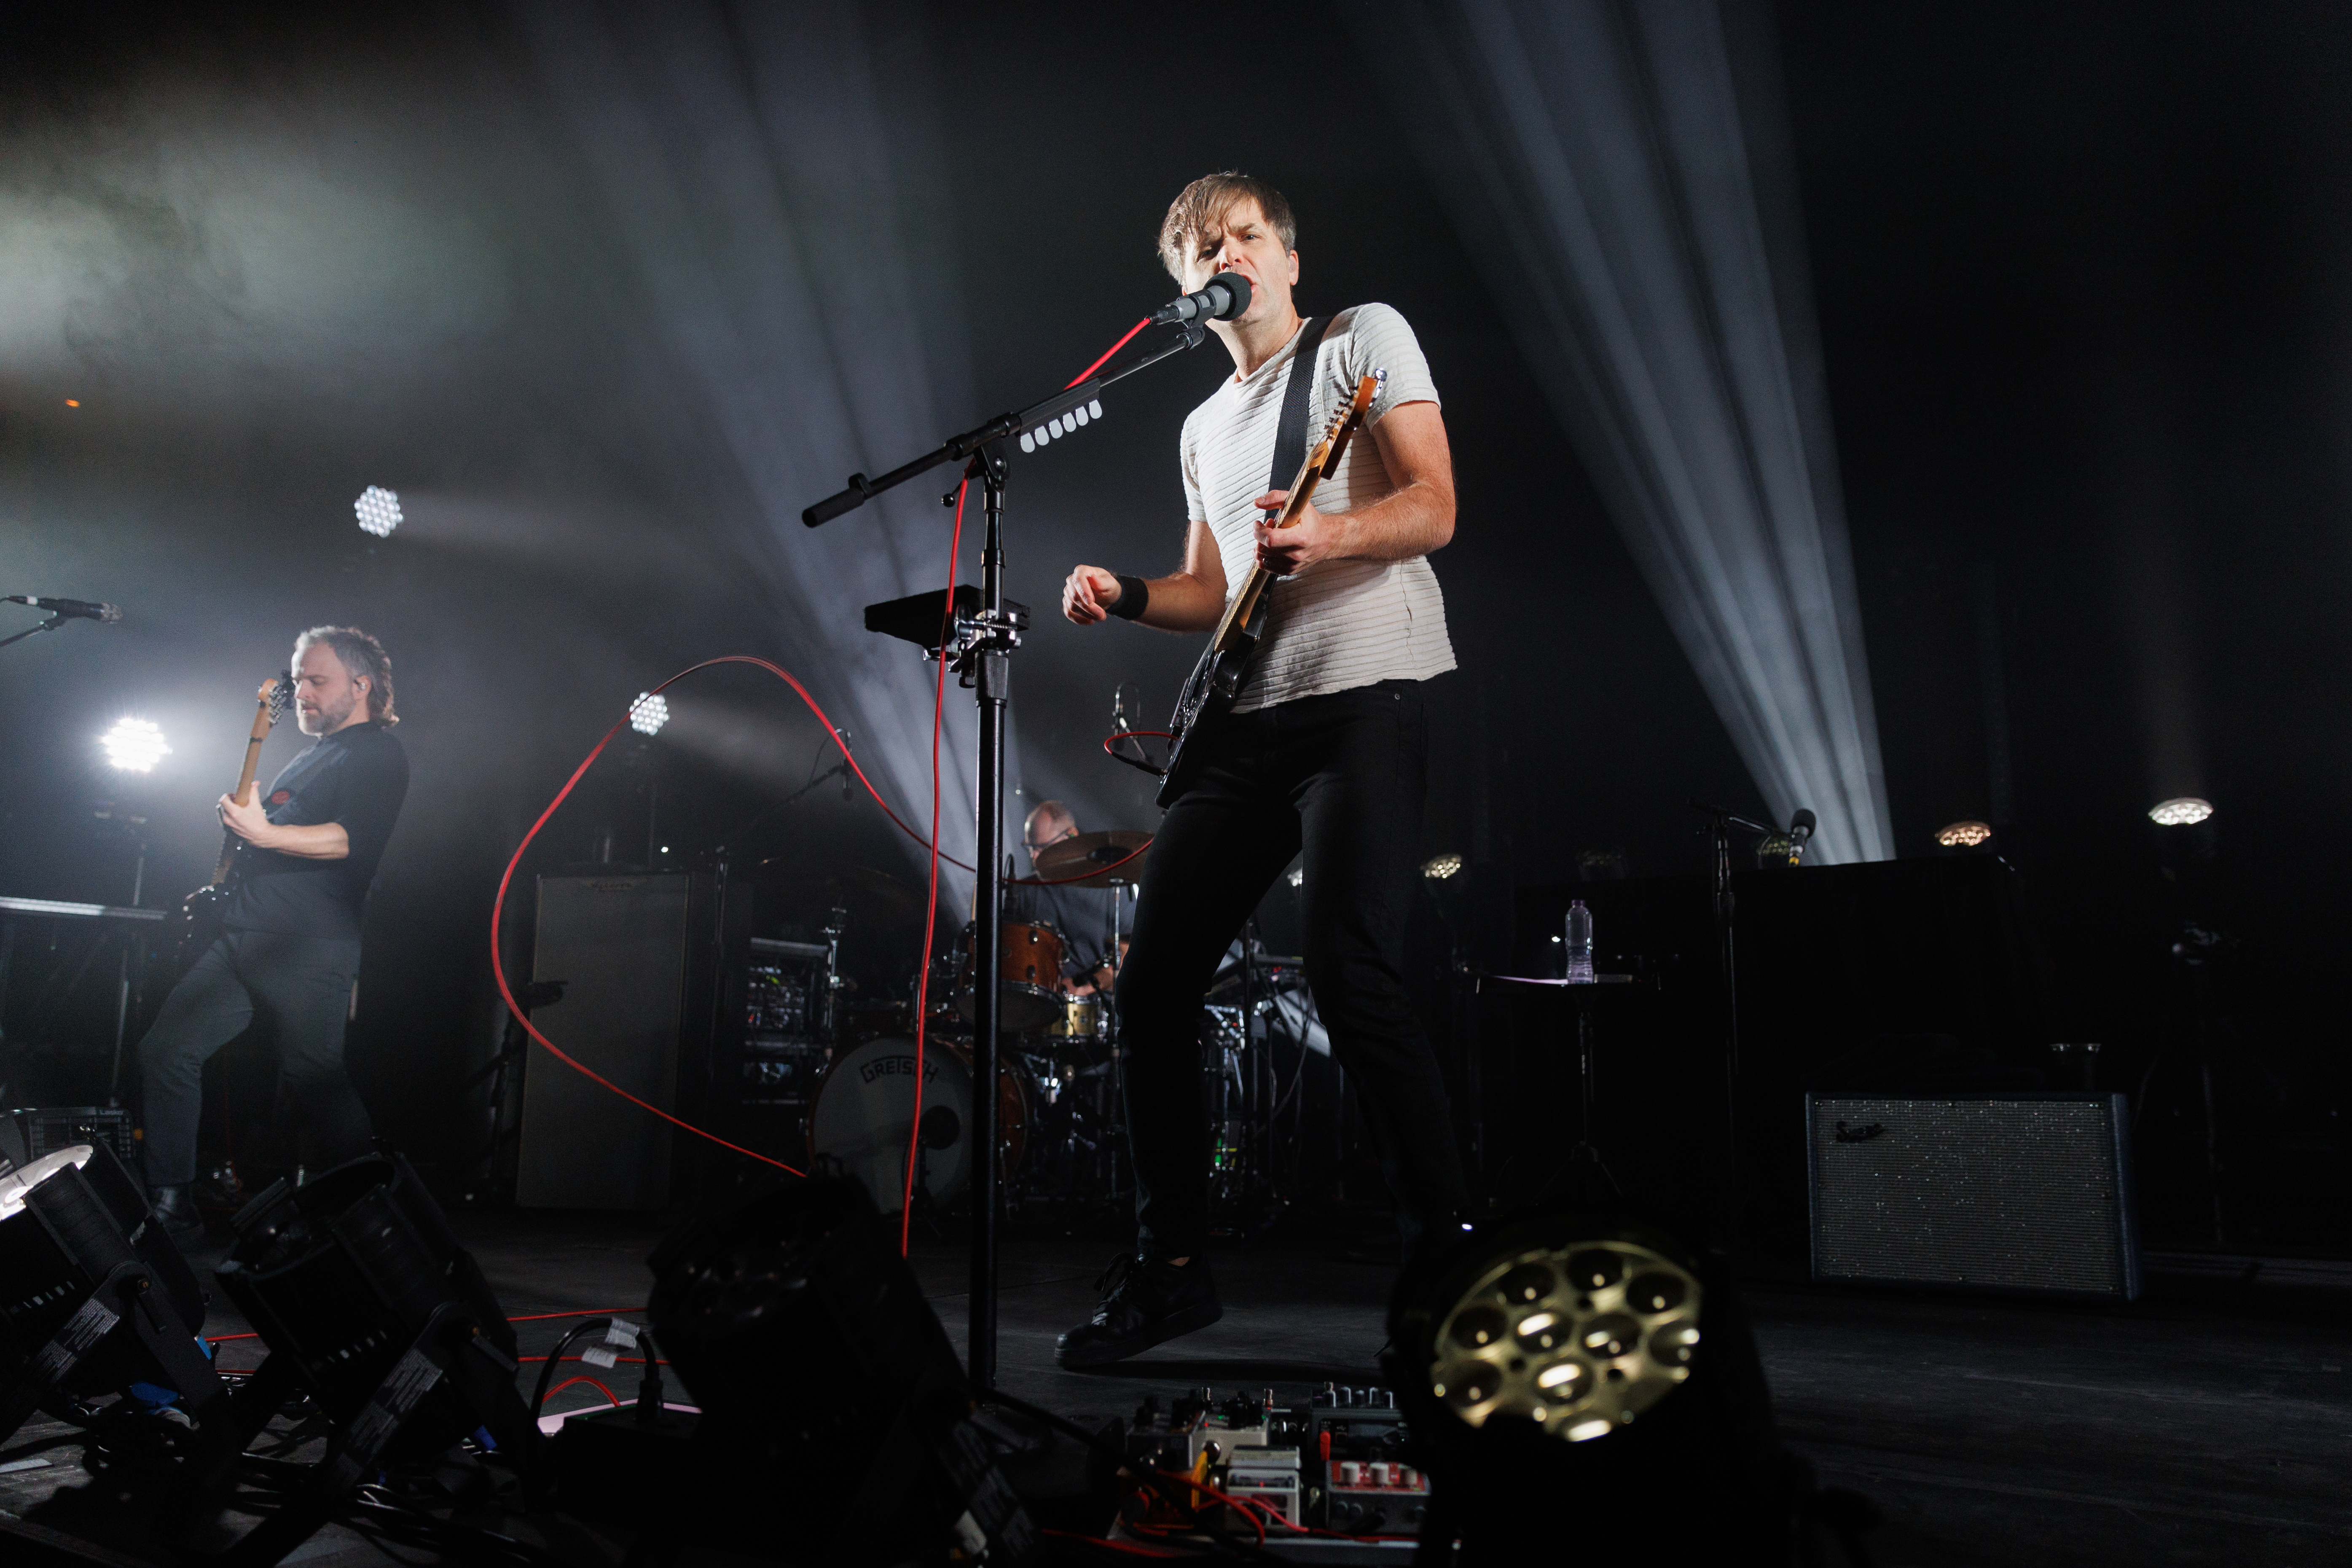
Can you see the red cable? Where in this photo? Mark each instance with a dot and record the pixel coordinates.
(931, 905)
(591, 1383)
(1110, 350)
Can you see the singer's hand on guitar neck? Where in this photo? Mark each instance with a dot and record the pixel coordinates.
(325, 841)
(1414, 518)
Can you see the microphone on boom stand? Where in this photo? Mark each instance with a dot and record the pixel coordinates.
(60, 612)
(1800, 833)
(1224, 297)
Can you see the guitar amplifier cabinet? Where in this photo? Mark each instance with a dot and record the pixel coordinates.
(618, 945)
(2017, 1193)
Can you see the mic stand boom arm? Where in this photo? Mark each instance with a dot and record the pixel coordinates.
(1038, 423)
(52, 624)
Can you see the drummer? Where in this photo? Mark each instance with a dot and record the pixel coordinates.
(1084, 916)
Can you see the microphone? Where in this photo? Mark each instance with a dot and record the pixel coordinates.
(1226, 296)
(71, 609)
(1800, 833)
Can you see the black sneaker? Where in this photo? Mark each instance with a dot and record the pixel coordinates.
(175, 1210)
(1145, 1300)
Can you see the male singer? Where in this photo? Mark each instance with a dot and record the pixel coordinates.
(1324, 753)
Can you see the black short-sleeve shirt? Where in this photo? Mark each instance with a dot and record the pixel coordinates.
(357, 777)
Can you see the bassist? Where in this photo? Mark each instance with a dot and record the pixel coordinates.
(289, 952)
(1323, 752)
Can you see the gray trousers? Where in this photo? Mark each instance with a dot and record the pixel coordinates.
(300, 987)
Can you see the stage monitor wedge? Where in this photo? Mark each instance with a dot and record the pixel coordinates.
(2028, 1193)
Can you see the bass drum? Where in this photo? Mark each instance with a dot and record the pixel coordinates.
(865, 1112)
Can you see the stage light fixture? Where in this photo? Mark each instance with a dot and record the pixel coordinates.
(1593, 1356)
(829, 1392)
(378, 510)
(94, 1297)
(134, 745)
(1964, 835)
(2183, 811)
(368, 1305)
(1438, 867)
(649, 713)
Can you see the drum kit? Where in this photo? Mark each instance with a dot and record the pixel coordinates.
(1058, 1094)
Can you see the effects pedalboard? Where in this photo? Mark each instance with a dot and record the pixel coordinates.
(1335, 1466)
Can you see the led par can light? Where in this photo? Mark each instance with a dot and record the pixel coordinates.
(831, 1397)
(93, 1295)
(368, 1305)
(1588, 1384)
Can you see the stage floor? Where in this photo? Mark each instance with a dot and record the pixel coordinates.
(2205, 1425)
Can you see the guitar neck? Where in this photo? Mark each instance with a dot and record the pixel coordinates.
(1302, 491)
(242, 794)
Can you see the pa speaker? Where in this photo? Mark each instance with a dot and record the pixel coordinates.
(2016, 1193)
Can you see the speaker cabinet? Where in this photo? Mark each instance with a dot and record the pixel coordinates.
(618, 945)
(2015, 1192)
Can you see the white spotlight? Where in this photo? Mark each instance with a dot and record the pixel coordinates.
(1964, 835)
(2180, 812)
(134, 745)
(379, 511)
(1440, 866)
(649, 712)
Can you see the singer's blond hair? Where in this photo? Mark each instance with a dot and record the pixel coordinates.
(1201, 207)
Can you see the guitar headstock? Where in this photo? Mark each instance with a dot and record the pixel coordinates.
(276, 694)
(1345, 420)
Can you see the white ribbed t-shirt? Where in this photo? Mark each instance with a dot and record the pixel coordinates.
(1339, 623)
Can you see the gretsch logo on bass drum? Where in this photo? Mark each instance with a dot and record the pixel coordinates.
(898, 1067)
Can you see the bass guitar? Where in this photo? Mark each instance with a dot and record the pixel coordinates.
(200, 911)
(1209, 694)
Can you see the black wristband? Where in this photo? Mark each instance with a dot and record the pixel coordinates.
(1134, 594)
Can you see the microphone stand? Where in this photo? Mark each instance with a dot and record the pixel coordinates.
(982, 653)
(1720, 823)
(52, 624)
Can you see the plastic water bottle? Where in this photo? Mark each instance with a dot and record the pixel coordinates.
(1580, 943)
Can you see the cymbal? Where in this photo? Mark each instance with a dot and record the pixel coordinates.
(1106, 848)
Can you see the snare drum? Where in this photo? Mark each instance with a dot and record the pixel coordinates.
(1029, 977)
(1081, 1022)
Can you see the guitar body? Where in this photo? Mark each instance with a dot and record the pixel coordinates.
(199, 923)
(1208, 696)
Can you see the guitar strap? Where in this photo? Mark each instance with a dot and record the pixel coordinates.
(1290, 430)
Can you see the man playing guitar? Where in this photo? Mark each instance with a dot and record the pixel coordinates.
(289, 949)
(1324, 752)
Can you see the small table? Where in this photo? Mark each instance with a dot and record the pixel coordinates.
(1584, 996)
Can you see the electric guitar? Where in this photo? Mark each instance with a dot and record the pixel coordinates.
(1209, 694)
(200, 911)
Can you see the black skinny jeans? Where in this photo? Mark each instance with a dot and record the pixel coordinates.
(301, 986)
(1341, 777)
